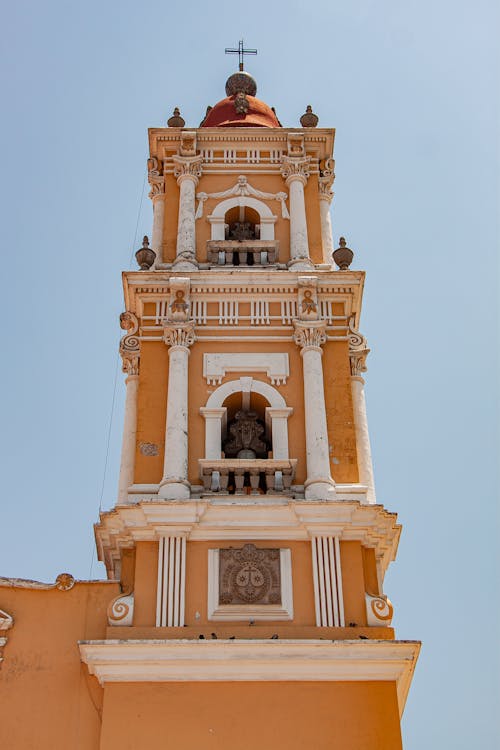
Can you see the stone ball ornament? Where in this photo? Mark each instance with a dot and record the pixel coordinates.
(145, 256)
(343, 255)
(241, 82)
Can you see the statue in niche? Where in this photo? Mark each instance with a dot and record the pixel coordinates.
(245, 437)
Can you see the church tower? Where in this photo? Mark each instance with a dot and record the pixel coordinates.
(247, 547)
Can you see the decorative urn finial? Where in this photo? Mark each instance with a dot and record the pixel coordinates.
(176, 121)
(309, 119)
(145, 256)
(343, 255)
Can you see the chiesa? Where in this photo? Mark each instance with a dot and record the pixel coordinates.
(244, 604)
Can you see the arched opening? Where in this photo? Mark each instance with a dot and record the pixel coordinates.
(242, 223)
(247, 435)
(246, 438)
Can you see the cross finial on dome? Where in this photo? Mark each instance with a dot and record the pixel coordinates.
(241, 51)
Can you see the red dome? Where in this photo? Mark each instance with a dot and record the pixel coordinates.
(224, 115)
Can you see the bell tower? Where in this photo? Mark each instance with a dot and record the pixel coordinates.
(247, 538)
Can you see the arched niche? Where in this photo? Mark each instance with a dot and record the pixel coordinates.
(276, 415)
(217, 218)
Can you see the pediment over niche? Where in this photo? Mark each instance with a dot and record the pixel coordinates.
(215, 365)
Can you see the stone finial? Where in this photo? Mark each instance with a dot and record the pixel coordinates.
(176, 121)
(343, 255)
(145, 256)
(206, 114)
(309, 119)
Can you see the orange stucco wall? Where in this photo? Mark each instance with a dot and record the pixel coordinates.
(151, 411)
(250, 715)
(152, 404)
(358, 571)
(48, 700)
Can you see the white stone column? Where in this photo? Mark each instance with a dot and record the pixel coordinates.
(295, 171)
(158, 222)
(129, 351)
(157, 195)
(174, 484)
(363, 448)
(326, 227)
(187, 170)
(319, 484)
(325, 182)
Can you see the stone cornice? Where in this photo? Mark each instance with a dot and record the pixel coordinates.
(224, 518)
(319, 142)
(253, 660)
(347, 285)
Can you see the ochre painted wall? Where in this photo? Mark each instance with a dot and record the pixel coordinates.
(48, 700)
(354, 565)
(152, 400)
(151, 411)
(197, 578)
(339, 412)
(353, 582)
(250, 715)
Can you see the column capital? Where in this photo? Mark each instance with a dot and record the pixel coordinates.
(309, 334)
(325, 191)
(177, 335)
(157, 189)
(358, 350)
(295, 168)
(187, 167)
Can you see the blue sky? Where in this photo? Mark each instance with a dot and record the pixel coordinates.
(412, 89)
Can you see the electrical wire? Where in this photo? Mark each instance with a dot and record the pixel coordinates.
(113, 400)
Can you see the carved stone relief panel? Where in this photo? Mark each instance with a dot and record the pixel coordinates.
(250, 583)
(249, 576)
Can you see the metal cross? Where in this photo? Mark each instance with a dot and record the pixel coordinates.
(240, 52)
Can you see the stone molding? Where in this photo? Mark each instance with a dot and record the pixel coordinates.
(379, 610)
(121, 610)
(63, 582)
(309, 334)
(275, 365)
(155, 178)
(130, 344)
(270, 519)
(253, 660)
(358, 350)
(326, 179)
(243, 189)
